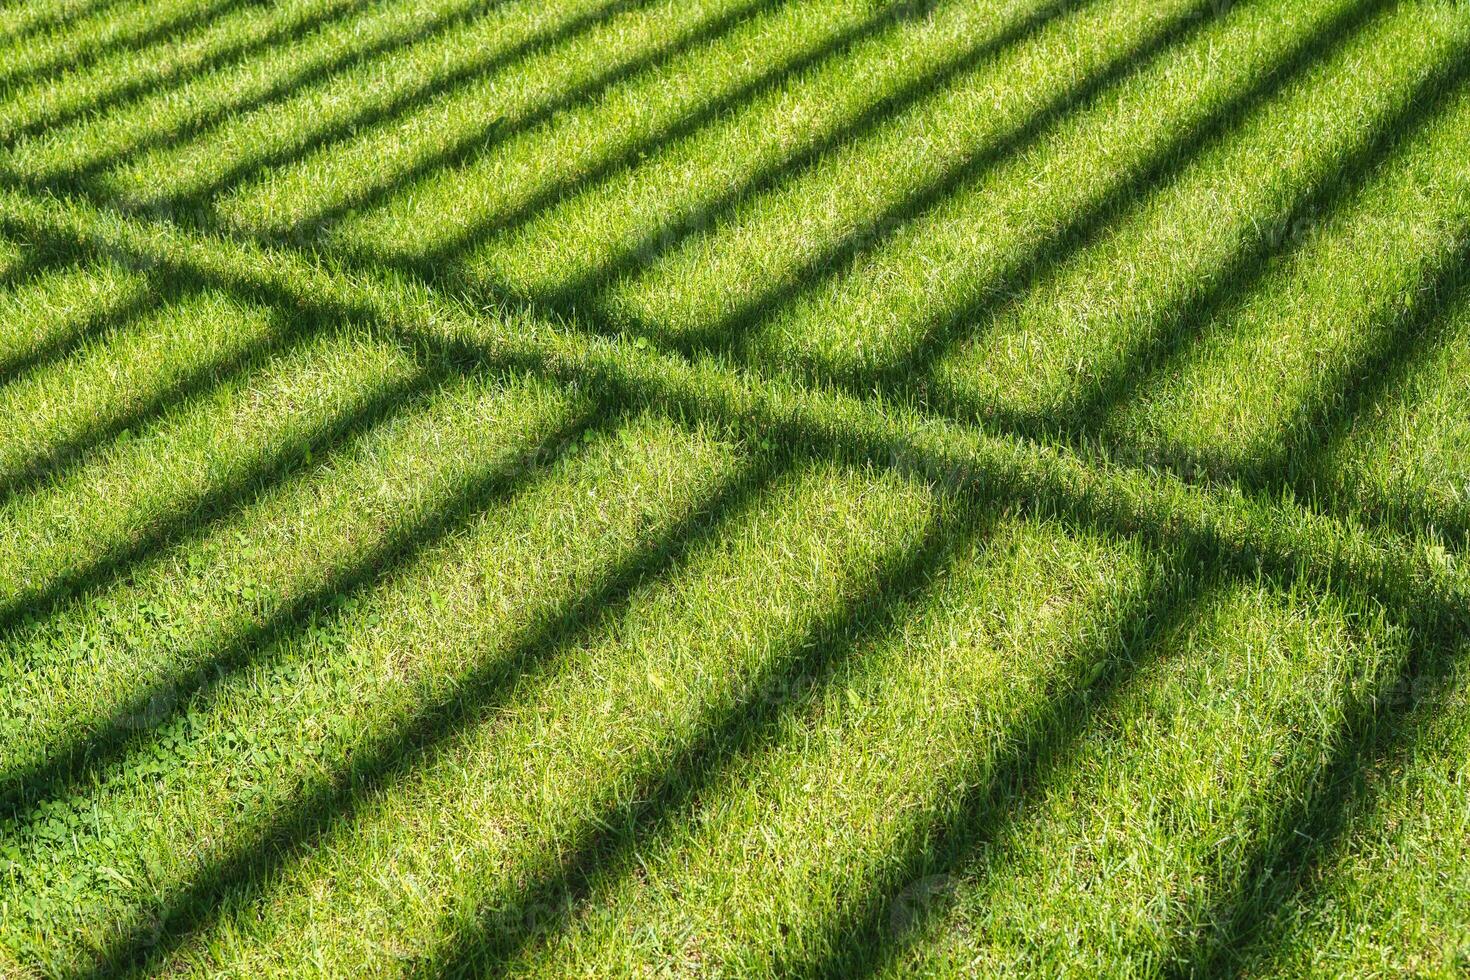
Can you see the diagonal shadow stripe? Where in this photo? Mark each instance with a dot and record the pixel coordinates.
(1031, 767)
(439, 264)
(1440, 621)
(1384, 368)
(1347, 396)
(94, 324)
(297, 320)
(1232, 284)
(467, 147)
(214, 119)
(1336, 30)
(232, 52)
(1220, 555)
(866, 936)
(1378, 728)
(1103, 501)
(153, 32)
(1413, 334)
(400, 105)
(40, 254)
(609, 841)
(1376, 723)
(31, 265)
(434, 267)
(728, 334)
(305, 821)
(724, 337)
(83, 757)
(1188, 144)
(54, 20)
(252, 286)
(431, 268)
(64, 455)
(193, 516)
(1403, 338)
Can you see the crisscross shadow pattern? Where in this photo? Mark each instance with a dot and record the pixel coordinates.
(820, 487)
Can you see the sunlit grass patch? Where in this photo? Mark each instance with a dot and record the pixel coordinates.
(136, 78)
(863, 749)
(746, 487)
(794, 121)
(882, 181)
(1409, 458)
(1352, 277)
(544, 64)
(1130, 855)
(676, 655)
(1373, 905)
(51, 311)
(171, 623)
(1080, 342)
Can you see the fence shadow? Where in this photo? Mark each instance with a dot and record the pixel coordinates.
(443, 263)
(304, 821)
(154, 32)
(607, 844)
(133, 90)
(1193, 560)
(76, 763)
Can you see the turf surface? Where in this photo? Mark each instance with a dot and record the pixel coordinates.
(734, 487)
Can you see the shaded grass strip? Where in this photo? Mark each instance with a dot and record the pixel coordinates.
(387, 756)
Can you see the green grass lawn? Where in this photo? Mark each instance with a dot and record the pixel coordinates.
(734, 487)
